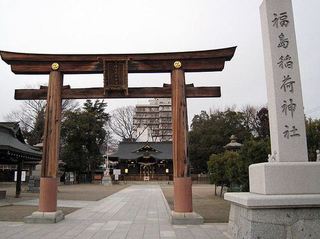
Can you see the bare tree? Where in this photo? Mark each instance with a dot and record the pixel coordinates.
(250, 118)
(31, 115)
(256, 120)
(27, 114)
(122, 124)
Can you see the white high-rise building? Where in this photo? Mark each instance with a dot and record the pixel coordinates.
(153, 121)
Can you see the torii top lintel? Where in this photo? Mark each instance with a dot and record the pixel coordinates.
(192, 61)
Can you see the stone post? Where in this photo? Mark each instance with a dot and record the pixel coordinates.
(284, 198)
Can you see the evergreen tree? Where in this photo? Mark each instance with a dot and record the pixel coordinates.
(209, 133)
(83, 136)
(313, 137)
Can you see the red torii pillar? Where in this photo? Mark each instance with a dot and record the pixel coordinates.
(181, 170)
(50, 156)
(183, 212)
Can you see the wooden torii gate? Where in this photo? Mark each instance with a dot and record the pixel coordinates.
(115, 68)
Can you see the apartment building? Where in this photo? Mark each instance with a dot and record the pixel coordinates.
(153, 121)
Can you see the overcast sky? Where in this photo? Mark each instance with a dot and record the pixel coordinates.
(134, 26)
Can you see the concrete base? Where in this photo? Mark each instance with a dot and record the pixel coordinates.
(285, 178)
(106, 180)
(249, 218)
(45, 217)
(188, 218)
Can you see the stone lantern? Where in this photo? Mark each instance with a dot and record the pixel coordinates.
(233, 145)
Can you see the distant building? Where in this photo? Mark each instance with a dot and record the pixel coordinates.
(153, 121)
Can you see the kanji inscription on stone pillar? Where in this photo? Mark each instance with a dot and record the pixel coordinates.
(287, 122)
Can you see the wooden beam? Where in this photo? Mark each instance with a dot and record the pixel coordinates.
(98, 93)
(195, 61)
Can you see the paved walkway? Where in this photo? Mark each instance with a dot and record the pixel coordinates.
(139, 211)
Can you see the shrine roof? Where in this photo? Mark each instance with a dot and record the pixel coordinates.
(134, 150)
(9, 141)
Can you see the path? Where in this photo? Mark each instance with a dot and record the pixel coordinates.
(139, 211)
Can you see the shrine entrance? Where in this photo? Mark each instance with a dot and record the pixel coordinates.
(147, 170)
(115, 69)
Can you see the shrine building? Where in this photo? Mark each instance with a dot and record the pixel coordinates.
(144, 160)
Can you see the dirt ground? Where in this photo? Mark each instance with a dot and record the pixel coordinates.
(15, 213)
(83, 192)
(212, 208)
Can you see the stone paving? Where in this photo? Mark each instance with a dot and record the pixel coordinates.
(139, 211)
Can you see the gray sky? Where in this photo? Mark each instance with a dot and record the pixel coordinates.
(134, 26)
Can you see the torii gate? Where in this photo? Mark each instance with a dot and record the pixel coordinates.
(115, 68)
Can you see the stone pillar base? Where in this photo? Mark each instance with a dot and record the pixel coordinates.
(106, 180)
(189, 218)
(44, 217)
(273, 216)
(285, 178)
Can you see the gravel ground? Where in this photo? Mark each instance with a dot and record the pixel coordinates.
(212, 208)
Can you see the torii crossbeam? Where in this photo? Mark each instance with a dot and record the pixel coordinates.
(115, 68)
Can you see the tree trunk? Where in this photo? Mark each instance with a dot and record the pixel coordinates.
(221, 192)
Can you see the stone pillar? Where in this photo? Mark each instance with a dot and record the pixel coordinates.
(285, 104)
(50, 156)
(284, 198)
(19, 173)
(183, 213)
(288, 171)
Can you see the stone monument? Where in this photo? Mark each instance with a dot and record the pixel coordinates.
(106, 180)
(284, 198)
(34, 179)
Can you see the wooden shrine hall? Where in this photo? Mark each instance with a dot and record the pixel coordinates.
(149, 161)
(15, 154)
(115, 69)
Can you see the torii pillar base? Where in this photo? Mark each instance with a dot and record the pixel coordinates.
(47, 212)
(183, 214)
(44, 217)
(185, 218)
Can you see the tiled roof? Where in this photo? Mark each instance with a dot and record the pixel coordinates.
(10, 139)
(134, 150)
